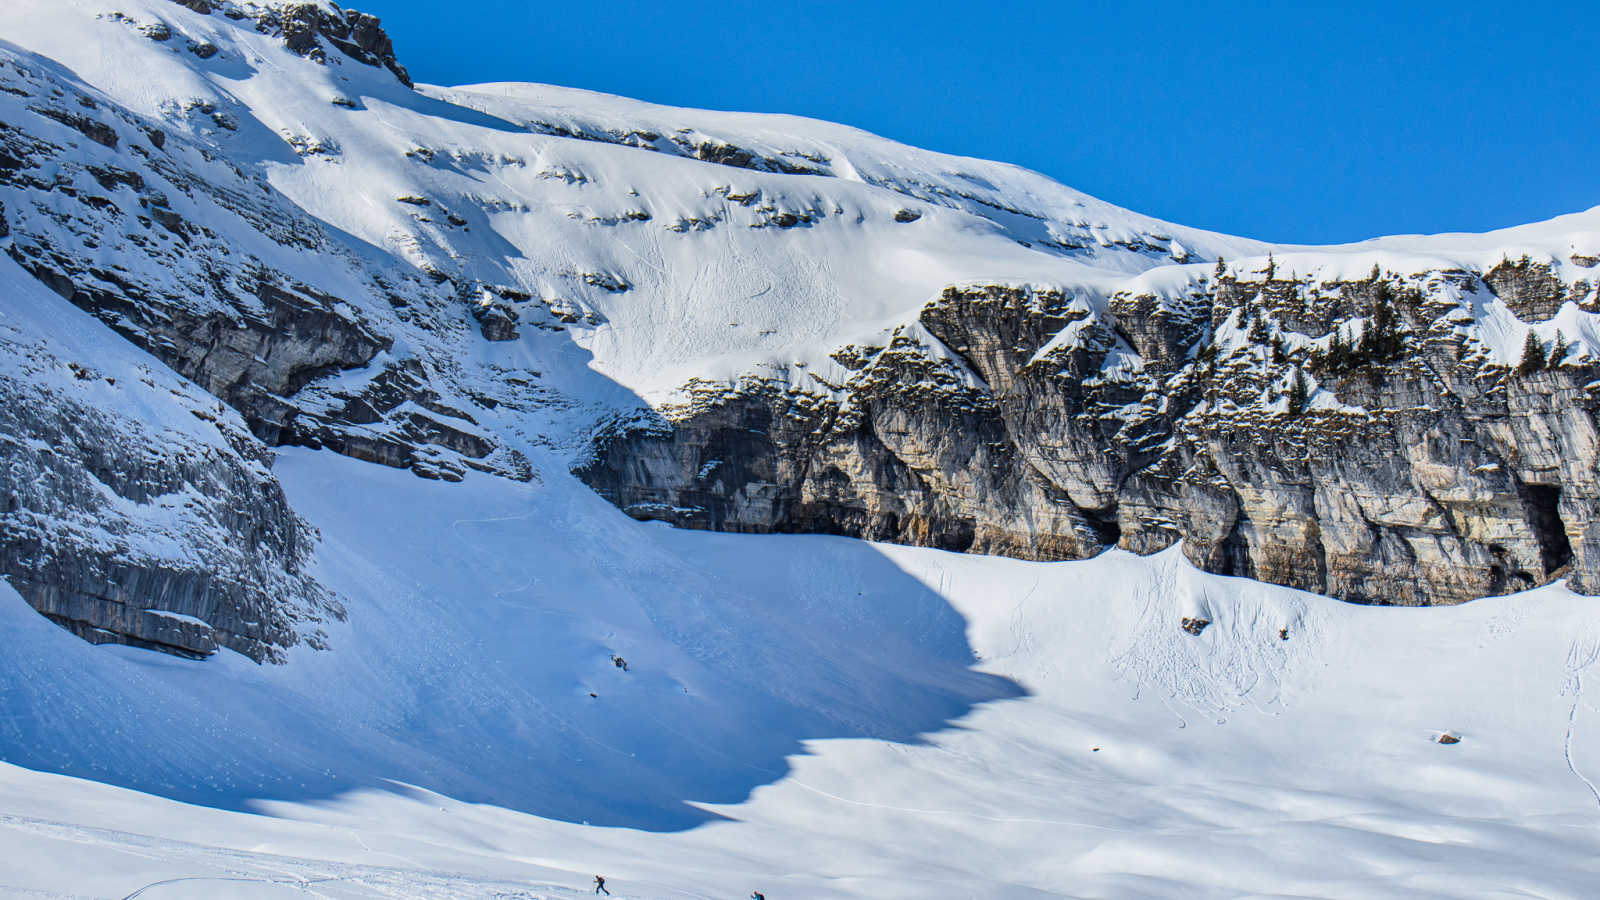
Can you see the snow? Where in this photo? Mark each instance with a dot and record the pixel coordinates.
(808, 716)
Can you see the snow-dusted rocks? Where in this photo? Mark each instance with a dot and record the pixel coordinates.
(1055, 422)
(766, 323)
(136, 508)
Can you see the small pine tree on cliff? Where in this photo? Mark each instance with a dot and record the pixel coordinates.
(1558, 354)
(1299, 393)
(1533, 358)
(1258, 329)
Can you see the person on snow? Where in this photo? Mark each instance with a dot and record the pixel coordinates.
(600, 886)
(757, 895)
(620, 663)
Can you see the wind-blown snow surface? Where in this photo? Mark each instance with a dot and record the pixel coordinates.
(1142, 762)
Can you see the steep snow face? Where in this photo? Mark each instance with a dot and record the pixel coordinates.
(672, 267)
(673, 244)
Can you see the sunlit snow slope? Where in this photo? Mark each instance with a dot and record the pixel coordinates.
(1094, 748)
(808, 716)
(1143, 761)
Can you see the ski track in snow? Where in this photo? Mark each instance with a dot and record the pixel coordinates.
(1583, 653)
(317, 878)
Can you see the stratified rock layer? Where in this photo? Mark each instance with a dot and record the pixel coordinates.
(1049, 424)
(136, 509)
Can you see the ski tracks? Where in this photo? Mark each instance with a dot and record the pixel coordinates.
(1256, 640)
(1583, 652)
(325, 879)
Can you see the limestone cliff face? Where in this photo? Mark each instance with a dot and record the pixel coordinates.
(137, 509)
(124, 531)
(1053, 424)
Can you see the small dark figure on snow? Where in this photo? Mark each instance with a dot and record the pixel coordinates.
(620, 663)
(757, 895)
(600, 886)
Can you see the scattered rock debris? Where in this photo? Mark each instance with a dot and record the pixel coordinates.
(1195, 626)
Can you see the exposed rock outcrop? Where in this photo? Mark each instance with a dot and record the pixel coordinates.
(127, 531)
(199, 255)
(136, 509)
(303, 26)
(1053, 424)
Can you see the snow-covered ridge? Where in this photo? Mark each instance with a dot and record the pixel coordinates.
(673, 269)
(480, 277)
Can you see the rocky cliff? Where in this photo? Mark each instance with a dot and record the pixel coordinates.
(730, 322)
(120, 530)
(1345, 436)
(135, 508)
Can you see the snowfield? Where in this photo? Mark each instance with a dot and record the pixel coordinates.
(807, 716)
(1094, 749)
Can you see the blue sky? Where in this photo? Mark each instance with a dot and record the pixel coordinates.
(1288, 122)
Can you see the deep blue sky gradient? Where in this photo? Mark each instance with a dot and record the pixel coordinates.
(1296, 122)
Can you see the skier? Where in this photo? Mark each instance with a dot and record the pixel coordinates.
(620, 663)
(600, 886)
(757, 895)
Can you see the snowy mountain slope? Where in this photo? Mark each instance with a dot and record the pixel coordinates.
(446, 279)
(1142, 760)
(776, 324)
(541, 213)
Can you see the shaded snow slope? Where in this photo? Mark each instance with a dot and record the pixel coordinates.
(482, 617)
(1143, 761)
(808, 716)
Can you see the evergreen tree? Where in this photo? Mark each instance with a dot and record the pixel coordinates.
(1272, 266)
(1338, 352)
(1299, 393)
(1364, 349)
(1258, 329)
(1558, 354)
(1222, 268)
(1533, 358)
